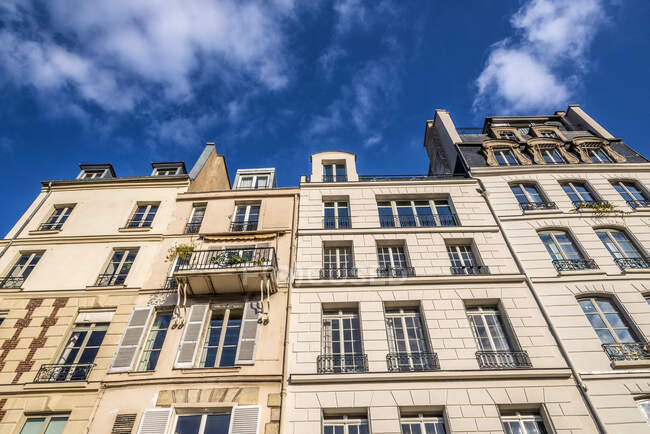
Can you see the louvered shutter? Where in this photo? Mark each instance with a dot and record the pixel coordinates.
(123, 423)
(155, 421)
(245, 419)
(248, 335)
(131, 340)
(191, 336)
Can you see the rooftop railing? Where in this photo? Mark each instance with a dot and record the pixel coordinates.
(574, 264)
(230, 258)
(63, 373)
(503, 359)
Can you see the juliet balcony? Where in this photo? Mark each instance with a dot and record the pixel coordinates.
(11, 282)
(503, 360)
(63, 373)
(229, 270)
(399, 362)
(574, 264)
(535, 206)
(627, 351)
(632, 263)
(342, 363)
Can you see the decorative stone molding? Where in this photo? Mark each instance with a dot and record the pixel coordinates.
(580, 143)
(537, 129)
(490, 145)
(497, 130)
(536, 144)
(240, 395)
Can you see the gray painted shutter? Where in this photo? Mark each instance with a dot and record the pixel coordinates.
(155, 421)
(248, 335)
(245, 419)
(191, 336)
(131, 340)
(123, 423)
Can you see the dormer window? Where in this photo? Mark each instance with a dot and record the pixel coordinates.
(523, 130)
(548, 133)
(92, 174)
(95, 171)
(551, 155)
(166, 172)
(597, 154)
(168, 169)
(254, 179)
(505, 157)
(257, 181)
(334, 172)
(508, 135)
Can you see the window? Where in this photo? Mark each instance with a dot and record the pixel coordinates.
(393, 262)
(560, 245)
(167, 171)
(253, 182)
(342, 347)
(93, 174)
(196, 218)
(45, 424)
(202, 424)
(21, 269)
(597, 154)
(407, 341)
(221, 339)
(143, 216)
(606, 319)
(578, 192)
(529, 197)
(551, 155)
(523, 130)
(118, 267)
(246, 217)
(548, 133)
(644, 406)
(508, 135)
(153, 344)
(631, 193)
(334, 172)
(337, 215)
(463, 260)
(422, 423)
(523, 423)
(338, 263)
(415, 213)
(622, 249)
(57, 218)
(488, 328)
(505, 157)
(345, 425)
(79, 353)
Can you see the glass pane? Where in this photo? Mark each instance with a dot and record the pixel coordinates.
(606, 306)
(596, 321)
(217, 424)
(188, 424)
(56, 425)
(605, 336)
(532, 192)
(628, 248)
(519, 194)
(587, 306)
(33, 425)
(609, 244)
(624, 335)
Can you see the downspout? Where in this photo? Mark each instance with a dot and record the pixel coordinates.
(580, 384)
(29, 219)
(283, 389)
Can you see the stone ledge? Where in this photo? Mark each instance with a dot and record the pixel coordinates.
(415, 280)
(45, 232)
(627, 364)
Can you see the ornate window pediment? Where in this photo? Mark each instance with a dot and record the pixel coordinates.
(548, 132)
(507, 133)
(596, 150)
(549, 151)
(492, 147)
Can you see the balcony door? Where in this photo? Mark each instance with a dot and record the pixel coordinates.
(246, 217)
(392, 261)
(342, 346)
(407, 341)
(338, 262)
(79, 352)
(488, 329)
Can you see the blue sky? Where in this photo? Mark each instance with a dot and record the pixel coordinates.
(271, 82)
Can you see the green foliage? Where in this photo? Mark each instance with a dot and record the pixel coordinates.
(601, 209)
(183, 251)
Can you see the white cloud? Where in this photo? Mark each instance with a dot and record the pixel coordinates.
(536, 69)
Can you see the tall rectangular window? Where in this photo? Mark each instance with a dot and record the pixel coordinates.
(488, 328)
(337, 215)
(78, 355)
(153, 344)
(416, 213)
(551, 155)
(196, 218)
(45, 424)
(606, 319)
(345, 424)
(342, 346)
(118, 267)
(625, 253)
(597, 154)
(393, 261)
(422, 423)
(338, 263)
(20, 270)
(221, 339)
(246, 217)
(57, 218)
(334, 172)
(463, 260)
(143, 216)
(505, 157)
(631, 193)
(407, 342)
(578, 192)
(523, 423)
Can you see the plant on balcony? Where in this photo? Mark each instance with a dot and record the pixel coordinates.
(182, 251)
(601, 209)
(218, 258)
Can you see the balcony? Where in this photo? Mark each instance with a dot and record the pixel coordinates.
(341, 222)
(574, 264)
(638, 203)
(338, 273)
(632, 263)
(110, 279)
(170, 283)
(535, 206)
(192, 228)
(415, 221)
(400, 362)
(229, 270)
(63, 373)
(342, 364)
(11, 282)
(628, 351)
(395, 272)
(470, 269)
(335, 178)
(503, 359)
(245, 226)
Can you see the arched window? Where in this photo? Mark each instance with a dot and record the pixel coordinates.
(632, 193)
(622, 249)
(530, 197)
(564, 252)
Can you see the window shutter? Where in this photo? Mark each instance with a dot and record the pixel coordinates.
(248, 336)
(155, 421)
(245, 419)
(123, 423)
(131, 339)
(191, 336)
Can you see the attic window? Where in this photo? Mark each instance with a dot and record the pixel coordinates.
(548, 133)
(172, 168)
(166, 171)
(92, 174)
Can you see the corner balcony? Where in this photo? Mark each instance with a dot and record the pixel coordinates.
(229, 271)
(503, 360)
(400, 362)
(627, 351)
(574, 264)
(63, 373)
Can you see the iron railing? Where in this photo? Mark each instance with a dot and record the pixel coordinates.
(142, 223)
(503, 359)
(394, 177)
(574, 264)
(588, 203)
(170, 283)
(230, 258)
(339, 273)
(628, 351)
(341, 222)
(192, 228)
(632, 263)
(532, 206)
(412, 362)
(469, 130)
(639, 203)
(63, 373)
(470, 269)
(335, 178)
(395, 271)
(412, 221)
(50, 226)
(110, 279)
(250, 225)
(10, 282)
(342, 363)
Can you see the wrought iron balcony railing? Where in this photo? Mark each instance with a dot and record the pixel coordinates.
(628, 351)
(50, 226)
(632, 263)
(574, 264)
(192, 228)
(341, 222)
(138, 224)
(342, 363)
(503, 359)
(339, 273)
(412, 362)
(395, 271)
(639, 203)
(414, 221)
(250, 225)
(110, 279)
(63, 373)
(230, 258)
(335, 178)
(588, 203)
(470, 269)
(11, 282)
(532, 206)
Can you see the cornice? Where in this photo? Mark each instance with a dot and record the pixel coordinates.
(357, 184)
(408, 282)
(239, 194)
(118, 183)
(398, 231)
(559, 168)
(85, 239)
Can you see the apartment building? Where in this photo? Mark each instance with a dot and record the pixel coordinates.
(409, 314)
(152, 305)
(572, 200)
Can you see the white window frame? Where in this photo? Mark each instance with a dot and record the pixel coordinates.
(393, 250)
(247, 214)
(625, 320)
(336, 215)
(334, 174)
(46, 422)
(644, 406)
(164, 171)
(147, 211)
(345, 421)
(222, 336)
(89, 328)
(148, 337)
(549, 151)
(522, 417)
(92, 173)
(483, 312)
(422, 419)
(523, 186)
(127, 251)
(254, 181)
(468, 265)
(624, 185)
(401, 314)
(502, 152)
(553, 234)
(592, 153)
(327, 337)
(342, 255)
(17, 270)
(572, 185)
(621, 251)
(204, 418)
(56, 222)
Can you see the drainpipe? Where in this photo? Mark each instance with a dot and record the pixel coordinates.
(580, 384)
(29, 219)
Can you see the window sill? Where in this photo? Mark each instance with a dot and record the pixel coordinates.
(542, 211)
(134, 229)
(47, 232)
(580, 272)
(99, 288)
(645, 209)
(628, 364)
(62, 385)
(225, 369)
(636, 270)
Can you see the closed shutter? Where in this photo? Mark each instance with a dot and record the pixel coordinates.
(248, 335)
(131, 340)
(123, 423)
(155, 421)
(191, 336)
(245, 420)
